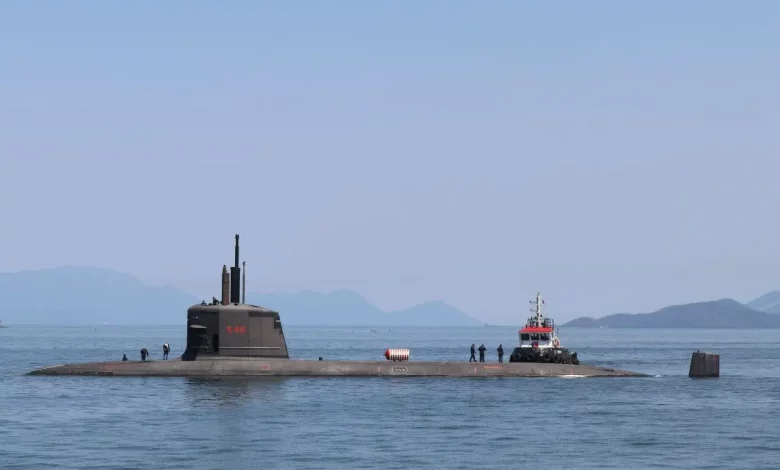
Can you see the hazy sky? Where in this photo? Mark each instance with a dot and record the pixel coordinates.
(617, 156)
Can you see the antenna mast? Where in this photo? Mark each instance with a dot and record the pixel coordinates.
(235, 280)
(539, 319)
(243, 282)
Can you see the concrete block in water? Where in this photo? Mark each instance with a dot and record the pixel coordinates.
(704, 365)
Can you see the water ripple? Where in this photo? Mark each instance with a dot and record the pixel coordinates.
(666, 421)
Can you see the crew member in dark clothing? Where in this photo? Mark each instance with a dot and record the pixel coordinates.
(124, 357)
(166, 350)
(144, 353)
(482, 353)
(500, 353)
(473, 354)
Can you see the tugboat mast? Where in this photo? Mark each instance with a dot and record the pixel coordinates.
(539, 319)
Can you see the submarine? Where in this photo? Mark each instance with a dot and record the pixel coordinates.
(230, 338)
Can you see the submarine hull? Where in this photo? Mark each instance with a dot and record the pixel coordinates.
(254, 367)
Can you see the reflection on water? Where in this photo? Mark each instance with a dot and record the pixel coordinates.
(233, 391)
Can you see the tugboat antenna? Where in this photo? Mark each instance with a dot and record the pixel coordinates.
(538, 320)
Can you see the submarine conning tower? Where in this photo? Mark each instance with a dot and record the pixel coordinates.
(231, 328)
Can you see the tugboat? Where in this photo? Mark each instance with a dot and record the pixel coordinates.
(539, 340)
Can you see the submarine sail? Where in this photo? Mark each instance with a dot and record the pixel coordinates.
(234, 329)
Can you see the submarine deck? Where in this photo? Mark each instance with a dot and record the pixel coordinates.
(254, 367)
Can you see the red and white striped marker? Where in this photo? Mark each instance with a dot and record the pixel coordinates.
(393, 354)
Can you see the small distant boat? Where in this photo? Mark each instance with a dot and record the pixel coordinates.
(2, 326)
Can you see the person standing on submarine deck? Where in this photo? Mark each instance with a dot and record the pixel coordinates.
(482, 349)
(473, 354)
(500, 353)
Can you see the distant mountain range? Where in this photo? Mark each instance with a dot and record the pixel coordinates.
(763, 312)
(72, 295)
(77, 296)
(346, 307)
(769, 303)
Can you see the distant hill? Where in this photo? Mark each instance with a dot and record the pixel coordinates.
(769, 303)
(724, 313)
(345, 307)
(72, 295)
(76, 296)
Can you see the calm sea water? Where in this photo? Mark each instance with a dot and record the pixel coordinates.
(665, 421)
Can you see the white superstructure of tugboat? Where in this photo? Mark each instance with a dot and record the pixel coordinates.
(539, 332)
(539, 340)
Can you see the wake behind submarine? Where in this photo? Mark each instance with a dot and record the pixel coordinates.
(234, 339)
